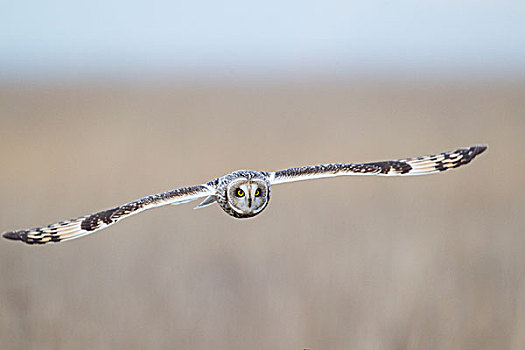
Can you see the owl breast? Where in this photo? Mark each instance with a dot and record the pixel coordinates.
(244, 193)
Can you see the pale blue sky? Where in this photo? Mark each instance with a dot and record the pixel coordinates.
(116, 37)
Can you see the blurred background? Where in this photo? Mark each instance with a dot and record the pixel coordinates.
(105, 102)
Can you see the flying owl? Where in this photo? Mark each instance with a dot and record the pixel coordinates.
(242, 193)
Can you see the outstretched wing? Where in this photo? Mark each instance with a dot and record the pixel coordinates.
(409, 166)
(85, 225)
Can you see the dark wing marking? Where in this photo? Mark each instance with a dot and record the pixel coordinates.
(84, 225)
(409, 166)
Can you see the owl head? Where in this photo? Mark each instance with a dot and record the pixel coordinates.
(244, 193)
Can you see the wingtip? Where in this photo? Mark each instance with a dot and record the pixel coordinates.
(13, 235)
(478, 149)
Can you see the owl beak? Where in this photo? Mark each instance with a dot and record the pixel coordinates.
(250, 201)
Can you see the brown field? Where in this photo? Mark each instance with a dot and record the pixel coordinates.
(433, 262)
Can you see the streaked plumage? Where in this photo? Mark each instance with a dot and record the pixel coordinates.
(242, 193)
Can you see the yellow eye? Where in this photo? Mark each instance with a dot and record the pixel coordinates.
(257, 193)
(240, 193)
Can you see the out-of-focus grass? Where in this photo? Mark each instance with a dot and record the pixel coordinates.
(408, 263)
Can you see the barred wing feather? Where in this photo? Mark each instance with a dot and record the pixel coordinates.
(409, 166)
(84, 225)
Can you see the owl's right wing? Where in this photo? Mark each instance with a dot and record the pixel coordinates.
(84, 225)
(409, 166)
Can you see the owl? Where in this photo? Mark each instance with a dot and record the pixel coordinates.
(242, 193)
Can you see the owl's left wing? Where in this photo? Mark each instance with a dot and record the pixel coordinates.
(87, 224)
(409, 166)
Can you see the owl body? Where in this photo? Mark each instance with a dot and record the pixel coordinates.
(242, 193)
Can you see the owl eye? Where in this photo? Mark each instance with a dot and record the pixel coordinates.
(257, 193)
(239, 193)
